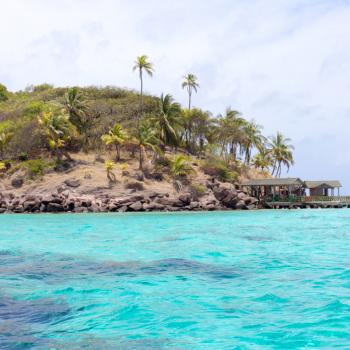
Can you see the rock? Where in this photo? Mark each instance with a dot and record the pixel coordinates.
(137, 206)
(185, 198)
(170, 202)
(17, 182)
(2, 210)
(193, 205)
(123, 209)
(153, 206)
(139, 176)
(99, 159)
(241, 205)
(54, 208)
(30, 205)
(80, 210)
(72, 183)
(134, 185)
(18, 209)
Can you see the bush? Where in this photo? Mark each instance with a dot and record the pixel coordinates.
(198, 190)
(219, 169)
(36, 167)
(4, 94)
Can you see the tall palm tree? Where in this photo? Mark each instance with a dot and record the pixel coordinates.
(252, 138)
(142, 64)
(168, 120)
(281, 152)
(116, 136)
(190, 83)
(230, 133)
(76, 106)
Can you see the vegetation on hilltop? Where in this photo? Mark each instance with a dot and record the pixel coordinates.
(44, 120)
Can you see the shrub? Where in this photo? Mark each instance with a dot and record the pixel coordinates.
(198, 190)
(36, 167)
(4, 94)
(217, 168)
(34, 108)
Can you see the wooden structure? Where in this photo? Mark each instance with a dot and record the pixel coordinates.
(323, 188)
(292, 193)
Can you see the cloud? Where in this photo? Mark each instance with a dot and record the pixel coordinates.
(284, 63)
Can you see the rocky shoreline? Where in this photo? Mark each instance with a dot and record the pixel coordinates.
(65, 199)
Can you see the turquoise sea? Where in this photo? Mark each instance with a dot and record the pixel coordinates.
(220, 280)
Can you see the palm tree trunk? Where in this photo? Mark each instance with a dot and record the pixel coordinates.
(140, 157)
(118, 152)
(189, 99)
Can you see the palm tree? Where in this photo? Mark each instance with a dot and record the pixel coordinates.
(146, 138)
(116, 136)
(180, 168)
(262, 159)
(230, 133)
(252, 138)
(143, 65)
(76, 106)
(190, 83)
(168, 120)
(109, 165)
(281, 152)
(58, 130)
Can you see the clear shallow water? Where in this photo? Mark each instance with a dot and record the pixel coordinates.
(230, 280)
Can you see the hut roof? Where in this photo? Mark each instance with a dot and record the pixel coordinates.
(324, 184)
(289, 181)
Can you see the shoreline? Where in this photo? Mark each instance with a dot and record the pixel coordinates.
(218, 196)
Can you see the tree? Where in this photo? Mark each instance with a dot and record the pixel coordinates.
(281, 152)
(4, 94)
(190, 83)
(168, 120)
(109, 165)
(197, 129)
(116, 136)
(180, 168)
(5, 137)
(252, 138)
(58, 130)
(146, 138)
(143, 65)
(262, 160)
(229, 132)
(76, 106)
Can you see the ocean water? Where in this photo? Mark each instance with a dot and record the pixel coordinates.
(220, 280)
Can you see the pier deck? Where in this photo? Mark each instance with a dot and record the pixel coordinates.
(309, 202)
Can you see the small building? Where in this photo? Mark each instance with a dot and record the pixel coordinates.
(323, 188)
(274, 188)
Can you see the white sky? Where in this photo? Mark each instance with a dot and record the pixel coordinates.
(285, 63)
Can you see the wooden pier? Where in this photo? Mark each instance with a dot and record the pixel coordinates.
(307, 202)
(292, 193)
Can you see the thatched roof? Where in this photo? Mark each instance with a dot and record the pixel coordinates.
(324, 184)
(289, 181)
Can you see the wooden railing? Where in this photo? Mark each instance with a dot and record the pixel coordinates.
(309, 199)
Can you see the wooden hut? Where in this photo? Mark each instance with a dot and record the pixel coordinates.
(274, 189)
(323, 188)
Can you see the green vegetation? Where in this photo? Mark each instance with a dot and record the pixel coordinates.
(46, 122)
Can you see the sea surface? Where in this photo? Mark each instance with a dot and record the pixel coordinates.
(220, 280)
